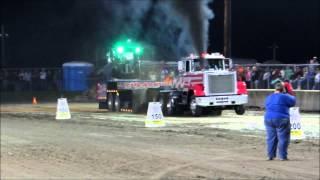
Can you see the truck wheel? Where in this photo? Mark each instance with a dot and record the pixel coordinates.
(217, 112)
(138, 101)
(206, 111)
(110, 102)
(117, 103)
(172, 108)
(135, 107)
(163, 101)
(240, 110)
(194, 108)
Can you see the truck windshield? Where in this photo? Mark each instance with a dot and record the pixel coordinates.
(216, 64)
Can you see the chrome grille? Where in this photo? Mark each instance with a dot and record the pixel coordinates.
(221, 83)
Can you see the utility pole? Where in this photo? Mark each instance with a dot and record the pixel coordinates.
(274, 48)
(3, 37)
(227, 28)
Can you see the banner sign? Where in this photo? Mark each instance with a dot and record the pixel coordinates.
(141, 85)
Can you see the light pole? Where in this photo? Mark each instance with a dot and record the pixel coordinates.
(3, 36)
(227, 28)
(274, 48)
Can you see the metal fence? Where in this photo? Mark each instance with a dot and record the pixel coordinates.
(257, 76)
(31, 79)
(264, 76)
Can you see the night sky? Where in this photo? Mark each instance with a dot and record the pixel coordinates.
(50, 32)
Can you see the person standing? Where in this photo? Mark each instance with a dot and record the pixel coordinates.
(266, 78)
(277, 122)
(313, 64)
(43, 79)
(317, 80)
(255, 77)
(248, 76)
(288, 87)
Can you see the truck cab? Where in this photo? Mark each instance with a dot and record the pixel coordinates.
(206, 84)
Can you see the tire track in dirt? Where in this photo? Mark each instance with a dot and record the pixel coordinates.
(122, 149)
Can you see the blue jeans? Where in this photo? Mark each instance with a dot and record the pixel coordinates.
(278, 137)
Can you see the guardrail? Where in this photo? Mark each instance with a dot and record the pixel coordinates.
(307, 100)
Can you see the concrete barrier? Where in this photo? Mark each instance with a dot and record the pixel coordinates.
(307, 100)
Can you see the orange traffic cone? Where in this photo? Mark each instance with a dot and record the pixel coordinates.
(34, 100)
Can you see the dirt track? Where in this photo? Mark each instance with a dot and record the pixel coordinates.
(101, 145)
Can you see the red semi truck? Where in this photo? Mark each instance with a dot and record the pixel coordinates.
(200, 85)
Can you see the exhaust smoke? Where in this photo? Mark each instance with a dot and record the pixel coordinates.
(175, 28)
(197, 16)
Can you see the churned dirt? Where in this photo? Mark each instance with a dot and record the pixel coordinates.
(96, 144)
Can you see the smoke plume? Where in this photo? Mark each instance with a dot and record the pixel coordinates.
(197, 15)
(174, 28)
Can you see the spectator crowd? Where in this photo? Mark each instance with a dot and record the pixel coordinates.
(257, 76)
(301, 76)
(30, 79)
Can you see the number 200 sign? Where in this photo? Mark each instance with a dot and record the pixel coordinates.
(295, 126)
(295, 121)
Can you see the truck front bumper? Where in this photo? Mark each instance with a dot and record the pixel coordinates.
(222, 100)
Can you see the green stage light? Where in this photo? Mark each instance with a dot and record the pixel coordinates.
(120, 50)
(138, 50)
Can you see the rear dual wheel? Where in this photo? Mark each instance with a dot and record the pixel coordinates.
(117, 103)
(169, 105)
(163, 99)
(114, 102)
(173, 107)
(110, 101)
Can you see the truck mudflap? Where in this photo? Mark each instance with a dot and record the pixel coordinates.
(222, 100)
(101, 90)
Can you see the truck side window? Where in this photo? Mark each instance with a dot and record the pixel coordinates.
(187, 66)
(197, 65)
(228, 64)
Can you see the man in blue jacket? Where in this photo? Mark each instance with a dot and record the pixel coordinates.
(277, 122)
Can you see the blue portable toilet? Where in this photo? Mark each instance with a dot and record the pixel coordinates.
(75, 75)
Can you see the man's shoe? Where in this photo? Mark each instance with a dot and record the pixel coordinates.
(284, 159)
(269, 159)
